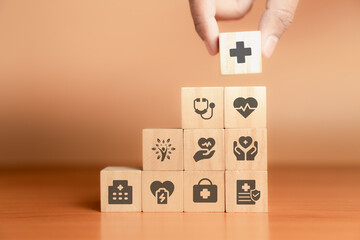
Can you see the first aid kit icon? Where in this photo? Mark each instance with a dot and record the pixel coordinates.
(205, 192)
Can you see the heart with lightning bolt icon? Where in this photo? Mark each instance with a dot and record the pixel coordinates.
(156, 185)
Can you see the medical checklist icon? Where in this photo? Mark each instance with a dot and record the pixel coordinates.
(201, 107)
(246, 192)
(162, 191)
(120, 192)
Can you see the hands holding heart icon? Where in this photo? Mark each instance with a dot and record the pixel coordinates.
(245, 143)
(206, 145)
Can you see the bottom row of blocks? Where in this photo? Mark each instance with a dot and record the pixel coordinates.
(125, 189)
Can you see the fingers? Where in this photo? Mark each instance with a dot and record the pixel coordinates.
(232, 9)
(275, 20)
(251, 151)
(211, 154)
(203, 13)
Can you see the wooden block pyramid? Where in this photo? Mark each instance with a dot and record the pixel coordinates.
(217, 162)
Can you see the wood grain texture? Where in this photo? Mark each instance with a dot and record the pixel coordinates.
(204, 149)
(208, 191)
(162, 149)
(132, 176)
(214, 117)
(246, 155)
(63, 203)
(243, 96)
(238, 191)
(163, 198)
(229, 64)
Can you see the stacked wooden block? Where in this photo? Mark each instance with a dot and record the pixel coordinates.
(240, 148)
(217, 162)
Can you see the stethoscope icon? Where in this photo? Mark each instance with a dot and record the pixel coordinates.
(205, 110)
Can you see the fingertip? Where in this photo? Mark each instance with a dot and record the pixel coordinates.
(274, 22)
(212, 48)
(203, 13)
(269, 45)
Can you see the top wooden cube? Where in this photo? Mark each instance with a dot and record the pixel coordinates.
(240, 52)
(202, 107)
(245, 107)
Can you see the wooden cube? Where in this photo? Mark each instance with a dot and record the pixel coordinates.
(246, 149)
(202, 107)
(240, 52)
(204, 149)
(245, 107)
(204, 191)
(120, 189)
(162, 191)
(163, 149)
(246, 191)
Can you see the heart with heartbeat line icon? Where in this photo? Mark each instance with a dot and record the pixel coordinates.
(206, 143)
(245, 106)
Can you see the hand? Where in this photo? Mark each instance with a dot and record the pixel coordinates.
(276, 18)
(239, 154)
(251, 154)
(203, 154)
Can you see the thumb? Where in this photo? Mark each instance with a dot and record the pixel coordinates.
(277, 17)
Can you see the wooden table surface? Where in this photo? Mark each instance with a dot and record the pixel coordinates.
(304, 203)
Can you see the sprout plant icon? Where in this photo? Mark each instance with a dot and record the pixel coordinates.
(163, 149)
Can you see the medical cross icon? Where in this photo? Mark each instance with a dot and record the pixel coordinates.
(240, 52)
(205, 193)
(245, 187)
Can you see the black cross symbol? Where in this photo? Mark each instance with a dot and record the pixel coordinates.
(240, 52)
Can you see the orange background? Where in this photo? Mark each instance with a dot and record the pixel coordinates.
(79, 80)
